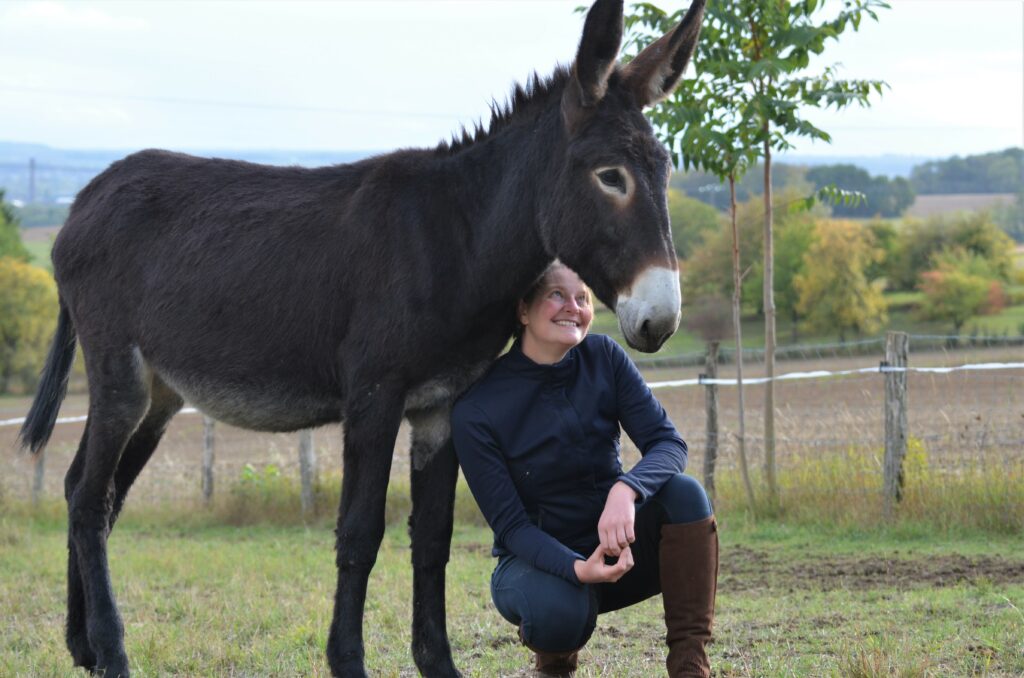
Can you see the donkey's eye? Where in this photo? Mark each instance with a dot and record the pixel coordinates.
(612, 178)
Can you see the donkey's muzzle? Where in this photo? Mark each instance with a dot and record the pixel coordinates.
(649, 314)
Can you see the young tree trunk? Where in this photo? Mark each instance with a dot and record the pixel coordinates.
(737, 328)
(769, 330)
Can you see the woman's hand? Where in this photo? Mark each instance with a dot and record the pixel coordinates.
(593, 570)
(615, 528)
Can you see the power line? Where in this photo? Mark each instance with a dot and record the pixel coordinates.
(228, 104)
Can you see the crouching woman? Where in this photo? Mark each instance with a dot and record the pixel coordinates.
(575, 535)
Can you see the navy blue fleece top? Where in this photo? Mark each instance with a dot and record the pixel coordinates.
(539, 446)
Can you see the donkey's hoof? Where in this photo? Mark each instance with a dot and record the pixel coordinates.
(81, 654)
(346, 665)
(435, 666)
(113, 668)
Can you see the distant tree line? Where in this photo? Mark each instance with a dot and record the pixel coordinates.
(999, 172)
(883, 197)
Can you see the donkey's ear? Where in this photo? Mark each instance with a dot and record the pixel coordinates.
(656, 71)
(595, 61)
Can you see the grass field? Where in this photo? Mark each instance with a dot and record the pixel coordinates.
(206, 600)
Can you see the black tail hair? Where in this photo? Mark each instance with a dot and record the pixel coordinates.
(53, 385)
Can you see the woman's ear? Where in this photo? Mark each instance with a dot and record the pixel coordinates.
(522, 312)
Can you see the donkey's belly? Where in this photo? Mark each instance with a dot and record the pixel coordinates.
(259, 405)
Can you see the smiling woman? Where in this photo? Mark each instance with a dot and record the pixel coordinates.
(538, 440)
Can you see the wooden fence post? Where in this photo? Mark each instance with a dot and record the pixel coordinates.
(896, 347)
(711, 406)
(207, 459)
(307, 469)
(37, 479)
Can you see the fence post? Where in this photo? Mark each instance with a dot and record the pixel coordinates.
(307, 469)
(207, 459)
(896, 347)
(711, 406)
(37, 479)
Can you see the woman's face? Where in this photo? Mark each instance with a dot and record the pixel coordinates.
(558, 317)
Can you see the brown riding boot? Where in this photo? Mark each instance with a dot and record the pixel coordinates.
(560, 664)
(556, 664)
(688, 559)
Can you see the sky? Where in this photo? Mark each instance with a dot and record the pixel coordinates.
(373, 76)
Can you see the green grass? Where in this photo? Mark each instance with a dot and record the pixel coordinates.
(818, 585)
(256, 601)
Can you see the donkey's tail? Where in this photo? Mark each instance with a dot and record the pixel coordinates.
(53, 385)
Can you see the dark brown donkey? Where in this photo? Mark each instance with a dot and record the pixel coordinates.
(284, 298)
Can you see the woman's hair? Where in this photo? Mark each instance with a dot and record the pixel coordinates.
(534, 290)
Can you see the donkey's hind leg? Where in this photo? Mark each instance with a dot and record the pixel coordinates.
(78, 644)
(163, 406)
(119, 399)
(434, 473)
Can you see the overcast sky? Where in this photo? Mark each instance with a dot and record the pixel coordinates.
(380, 75)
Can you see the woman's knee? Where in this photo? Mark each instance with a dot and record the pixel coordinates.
(684, 500)
(552, 614)
(559, 623)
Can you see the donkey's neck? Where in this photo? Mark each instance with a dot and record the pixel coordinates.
(499, 183)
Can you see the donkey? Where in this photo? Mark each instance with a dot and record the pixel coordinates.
(282, 298)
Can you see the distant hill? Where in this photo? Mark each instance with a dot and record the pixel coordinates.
(61, 173)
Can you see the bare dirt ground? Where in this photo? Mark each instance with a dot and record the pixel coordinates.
(748, 569)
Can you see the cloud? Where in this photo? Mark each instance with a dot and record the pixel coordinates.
(57, 14)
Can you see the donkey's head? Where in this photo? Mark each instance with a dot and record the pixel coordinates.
(607, 217)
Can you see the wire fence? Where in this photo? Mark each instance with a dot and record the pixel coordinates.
(847, 349)
(962, 417)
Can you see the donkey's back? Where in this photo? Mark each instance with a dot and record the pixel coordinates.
(223, 278)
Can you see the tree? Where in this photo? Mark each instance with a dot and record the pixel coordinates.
(835, 295)
(754, 61)
(795, 232)
(708, 269)
(961, 286)
(691, 221)
(10, 236)
(918, 242)
(28, 313)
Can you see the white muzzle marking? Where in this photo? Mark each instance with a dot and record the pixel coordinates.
(650, 313)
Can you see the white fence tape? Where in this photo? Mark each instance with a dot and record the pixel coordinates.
(838, 373)
(817, 374)
(72, 420)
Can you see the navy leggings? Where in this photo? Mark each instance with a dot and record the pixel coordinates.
(555, 615)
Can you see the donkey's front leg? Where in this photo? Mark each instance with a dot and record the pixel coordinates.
(434, 473)
(371, 426)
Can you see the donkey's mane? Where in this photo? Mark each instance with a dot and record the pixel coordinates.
(524, 103)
